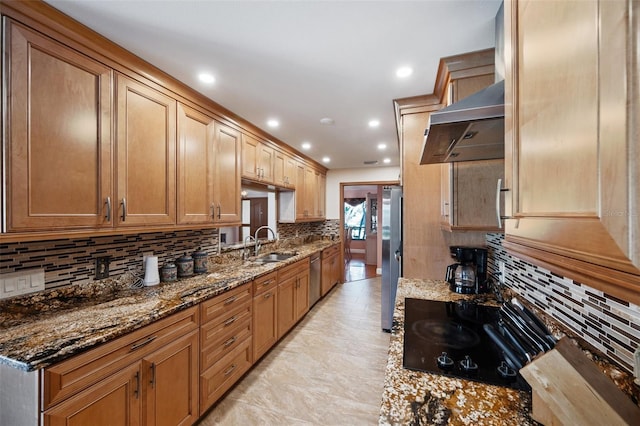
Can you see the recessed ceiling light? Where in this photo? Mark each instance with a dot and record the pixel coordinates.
(404, 72)
(386, 160)
(326, 159)
(327, 121)
(306, 145)
(374, 123)
(205, 77)
(273, 123)
(382, 146)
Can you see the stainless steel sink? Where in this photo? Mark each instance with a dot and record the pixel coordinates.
(274, 257)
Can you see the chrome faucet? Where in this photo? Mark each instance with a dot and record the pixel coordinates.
(245, 250)
(255, 237)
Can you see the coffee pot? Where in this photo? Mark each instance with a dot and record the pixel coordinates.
(462, 276)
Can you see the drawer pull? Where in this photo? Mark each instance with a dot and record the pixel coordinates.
(230, 321)
(230, 342)
(267, 282)
(230, 300)
(136, 391)
(230, 370)
(268, 295)
(143, 343)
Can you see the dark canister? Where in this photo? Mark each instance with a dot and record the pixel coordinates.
(200, 261)
(169, 272)
(185, 266)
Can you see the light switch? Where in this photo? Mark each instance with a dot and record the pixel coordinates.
(21, 282)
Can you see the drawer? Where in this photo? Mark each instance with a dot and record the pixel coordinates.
(216, 345)
(219, 305)
(331, 251)
(264, 283)
(69, 377)
(293, 269)
(215, 381)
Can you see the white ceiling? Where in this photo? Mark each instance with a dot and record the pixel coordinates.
(300, 61)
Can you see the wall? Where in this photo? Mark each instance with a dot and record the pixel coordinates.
(72, 261)
(607, 323)
(337, 176)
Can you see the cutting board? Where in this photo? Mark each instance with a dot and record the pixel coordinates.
(568, 389)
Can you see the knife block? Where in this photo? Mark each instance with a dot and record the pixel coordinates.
(568, 389)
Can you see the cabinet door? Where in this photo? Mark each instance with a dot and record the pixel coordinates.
(196, 137)
(321, 194)
(310, 199)
(250, 155)
(59, 147)
(146, 132)
(286, 305)
(446, 185)
(226, 185)
(265, 317)
(171, 381)
(291, 167)
(327, 275)
(265, 163)
(302, 294)
(114, 401)
(569, 162)
(300, 193)
(279, 169)
(336, 269)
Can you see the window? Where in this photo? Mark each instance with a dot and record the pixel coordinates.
(355, 210)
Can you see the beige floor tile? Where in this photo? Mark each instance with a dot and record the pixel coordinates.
(329, 370)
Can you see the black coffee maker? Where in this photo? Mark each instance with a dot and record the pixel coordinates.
(469, 275)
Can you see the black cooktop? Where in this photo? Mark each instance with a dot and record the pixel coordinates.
(447, 338)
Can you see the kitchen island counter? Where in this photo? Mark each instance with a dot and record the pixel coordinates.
(43, 328)
(418, 398)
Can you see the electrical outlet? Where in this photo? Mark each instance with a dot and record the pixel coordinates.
(502, 271)
(102, 267)
(223, 237)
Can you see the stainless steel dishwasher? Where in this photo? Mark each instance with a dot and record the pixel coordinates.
(314, 279)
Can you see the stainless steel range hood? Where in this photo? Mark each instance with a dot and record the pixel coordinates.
(471, 129)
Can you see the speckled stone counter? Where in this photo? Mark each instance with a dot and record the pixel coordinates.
(417, 398)
(41, 329)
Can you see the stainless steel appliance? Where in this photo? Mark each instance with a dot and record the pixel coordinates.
(469, 275)
(314, 280)
(472, 128)
(449, 338)
(391, 250)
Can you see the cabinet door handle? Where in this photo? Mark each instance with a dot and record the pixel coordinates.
(230, 300)
(145, 342)
(219, 211)
(108, 215)
(136, 390)
(267, 295)
(213, 211)
(230, 321)
(230, 370)
(230, 342)
(153, 374)
(499, 189)
(124, 209)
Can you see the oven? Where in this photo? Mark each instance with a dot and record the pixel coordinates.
(449, 338)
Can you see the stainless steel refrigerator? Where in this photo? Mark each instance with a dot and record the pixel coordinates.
(391, 250)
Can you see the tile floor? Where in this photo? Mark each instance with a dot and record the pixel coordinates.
(329, 370)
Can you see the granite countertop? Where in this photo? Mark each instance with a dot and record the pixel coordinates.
(418, 398)
(40, 329)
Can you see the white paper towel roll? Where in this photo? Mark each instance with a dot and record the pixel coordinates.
(151, 276)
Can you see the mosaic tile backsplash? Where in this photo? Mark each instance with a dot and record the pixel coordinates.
(72, 261)
(607, 323)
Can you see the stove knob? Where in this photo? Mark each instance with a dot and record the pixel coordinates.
(444, 361)
(468, 365)
(505, 371)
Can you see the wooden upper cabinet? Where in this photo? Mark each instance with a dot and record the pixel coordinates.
(196, 145)
(227, 171)
(257, 160)
(146, 166)
(572, 140)
(59, 147)
(284, 168)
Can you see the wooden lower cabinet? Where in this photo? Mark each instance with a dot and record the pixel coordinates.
(148, 377)
(293, 295)
(265, 314)
(114, 401)
(331, 269)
